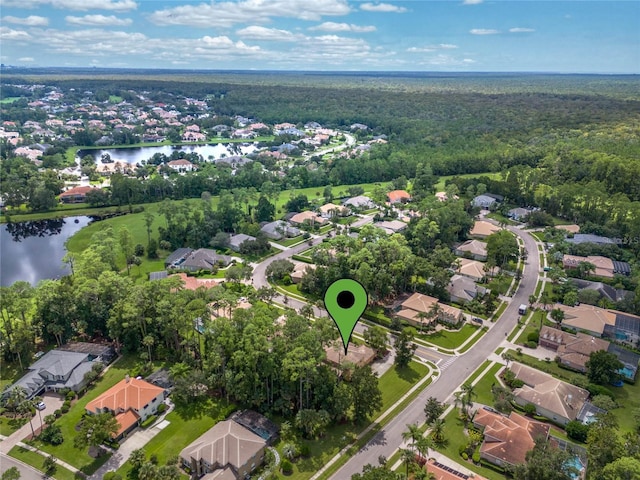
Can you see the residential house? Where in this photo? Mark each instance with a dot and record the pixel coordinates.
(588, 318)
(626, 328)
(228, 450)
(483, 201)
(307, 217)
(235, 241)
(360, 201)
(398, 196)
(330, 210)
(418, 309)
(604, 267)
(359, 355)
(572, 350)
(554, 399)
(474, 249)
(445, 472)
(482, 229)
(75, 195)
(604, 290)
(279, 229)
(519, 214)
(443, 197)
(204, 259)
(629, 359)
(569, 228)
(507, 439)
(177, 257)
(131, 401)
(391, 226)
(463, 289)
(181, 165)
(300, 270)
(474, 269)
(579, 238)
(56, 370)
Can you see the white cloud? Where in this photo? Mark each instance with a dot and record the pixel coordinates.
(483, 31)
(343, 27)
(7, 33)
(443, 60)
(82, 5)
(432, 48)
(31, 20)
(26, 59)
(255, 32)
(472, 2)
(99, 20)
(521, 30)
(382, 7)
(226, 13)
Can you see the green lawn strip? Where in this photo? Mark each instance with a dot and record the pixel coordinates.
(67, 423)
(9, 425)
(449, 339)
(483, 387)
(363, 441)
(9, 99)
(291, 291)
(499, 350)
(500, 284)
(474, 340)
(290, 241)
(499, 311)
(454, 433)
(478, 371)
(186, 424)
(36, 460)
(536, 293)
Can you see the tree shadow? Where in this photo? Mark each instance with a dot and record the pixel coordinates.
(407, 374)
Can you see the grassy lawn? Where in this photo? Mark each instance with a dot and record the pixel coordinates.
(501, 218)
(474, 340)
(396, 382)
(478, 371)
(9, 373)
(290, 241)
(35, 460)
(9, 425)
(499, 311)
(628, 397)
(186, 424)
(7, 100)
(500, 284)
(442, 180)
(551, 367)
(454, 433)
(483, 387)
(450, 339)
(67, 423)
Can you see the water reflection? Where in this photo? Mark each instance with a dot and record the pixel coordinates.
(33, 251)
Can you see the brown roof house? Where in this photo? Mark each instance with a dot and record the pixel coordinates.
(482, 229)
(591, 319)
(307, 217)
(131, 401)
(473, 249)
(554, 399)
(418, 307)
(226, 451)
(331, 210)
(474, 269)
(398, 196)
(507, 439)
(573, 350)
(76, 194)
(604, 267)
(359, 355)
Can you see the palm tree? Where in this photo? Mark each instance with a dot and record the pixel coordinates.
(408, 457)
(437, 431)
(557, 315)
(412, 434)
(507, 357)
(423, 444)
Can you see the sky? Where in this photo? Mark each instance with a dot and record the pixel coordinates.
(324, 35)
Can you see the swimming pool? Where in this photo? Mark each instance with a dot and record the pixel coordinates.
(576, 463)
(626, 372)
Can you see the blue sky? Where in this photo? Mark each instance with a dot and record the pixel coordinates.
(451, 35)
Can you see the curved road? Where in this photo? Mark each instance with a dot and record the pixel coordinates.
(458, 369)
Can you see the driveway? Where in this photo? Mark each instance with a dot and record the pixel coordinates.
(53, 401)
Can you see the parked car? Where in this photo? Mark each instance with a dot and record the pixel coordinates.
(41, 406)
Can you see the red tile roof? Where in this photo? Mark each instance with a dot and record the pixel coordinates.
(398, 196)
(76, 191)
(126, 420)
(126, 394)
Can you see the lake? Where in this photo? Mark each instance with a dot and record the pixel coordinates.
(33, 251)
(138, 154)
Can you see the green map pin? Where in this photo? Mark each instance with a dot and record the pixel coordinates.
(345, 300)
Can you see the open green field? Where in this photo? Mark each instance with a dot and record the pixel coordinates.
(483, 387)
(440, 185)
(7, 100)
(35, 460)
(67, 423)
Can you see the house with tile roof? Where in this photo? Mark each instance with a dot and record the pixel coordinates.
(604, 267)
(589, 318)
(507, 439)
(418, 307)
(226, 451)
(359, 355)
(573, 351)
(330, 210)
(554, 399)
(482, 229)
(398, 196)
(131, 401)
(474, 249)
(464, 289)
(75, 194)
(307, 217)
(474, 269)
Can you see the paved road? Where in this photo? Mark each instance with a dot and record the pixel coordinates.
(386, 442)
(26, 472)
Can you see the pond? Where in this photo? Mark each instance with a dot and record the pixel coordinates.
(138, 154)
(33, 251)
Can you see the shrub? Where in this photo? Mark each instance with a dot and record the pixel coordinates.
(112, 476)
(65, 408)
(531, 345)
(71, 395)
(530, 409)
(138, 209)
(58, 413)
(162, 407)
(138, 250)
(476, 457)
(596, 390)
(52, 435)
(533, 337)
(461, 449)
(305, 451)
(577, 430)
(149, 421)
(465, 456)
(286, 467)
